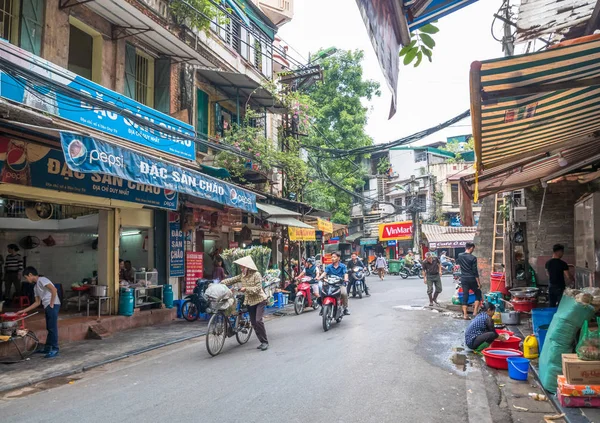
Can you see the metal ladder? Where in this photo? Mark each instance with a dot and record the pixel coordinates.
(498, 258)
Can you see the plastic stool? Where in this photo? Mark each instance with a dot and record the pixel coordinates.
(23, 301)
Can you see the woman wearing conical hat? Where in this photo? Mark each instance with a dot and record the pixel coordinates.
(255, 297)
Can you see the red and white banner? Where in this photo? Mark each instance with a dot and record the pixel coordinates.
(395, 231)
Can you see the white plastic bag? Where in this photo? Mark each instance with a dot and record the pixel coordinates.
(218, 292)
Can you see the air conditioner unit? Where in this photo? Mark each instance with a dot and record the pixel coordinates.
(520, 214)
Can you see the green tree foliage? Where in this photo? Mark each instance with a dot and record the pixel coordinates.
(196, 13)
(421, 45)
(456, 148)
(338, 122)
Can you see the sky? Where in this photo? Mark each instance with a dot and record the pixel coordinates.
(427, 95)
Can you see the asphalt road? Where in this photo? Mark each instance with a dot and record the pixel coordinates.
(387, 362)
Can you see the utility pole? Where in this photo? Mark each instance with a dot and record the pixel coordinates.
(508, 42)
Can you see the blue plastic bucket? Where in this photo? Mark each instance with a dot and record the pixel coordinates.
(542, 316)
(541, 336)
(518, 368)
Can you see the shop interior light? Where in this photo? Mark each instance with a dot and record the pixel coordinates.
(562, 162)
(129, 233)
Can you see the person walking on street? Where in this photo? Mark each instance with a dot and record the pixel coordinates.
(47, 295)
(432, 275)
(13, 271)
(380, 265)
(255, 297)
(558, 272)
(469, 279)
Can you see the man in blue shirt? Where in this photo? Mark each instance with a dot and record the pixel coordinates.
(311, 270)
(336, 268)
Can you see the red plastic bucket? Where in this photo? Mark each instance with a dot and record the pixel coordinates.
(524, 306)
(498, 283)
(511, 343)
(496, 357)
(501, 331)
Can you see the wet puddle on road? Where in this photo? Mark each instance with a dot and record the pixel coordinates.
(415, 308)
(459, 359)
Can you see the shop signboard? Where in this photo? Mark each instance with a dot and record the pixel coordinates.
(49, 94)
(90, 155)
(448, 244)
(368, 241)
(327, 259)
(176, 256)
(392, 243)
(301, 234)
(38, 166)
(325, 226)
(233, 245)
(395, 231)
(194, 269)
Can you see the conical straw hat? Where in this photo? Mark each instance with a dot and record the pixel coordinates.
(246, 262)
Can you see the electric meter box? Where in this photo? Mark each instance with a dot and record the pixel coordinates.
(520, 214)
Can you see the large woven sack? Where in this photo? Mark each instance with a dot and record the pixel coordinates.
(561, 338)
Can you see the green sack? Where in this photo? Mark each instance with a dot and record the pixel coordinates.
(561, 338)
(588, 347)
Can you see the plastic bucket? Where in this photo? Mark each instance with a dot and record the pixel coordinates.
(541, 336)
(542, 316)
(518, 368)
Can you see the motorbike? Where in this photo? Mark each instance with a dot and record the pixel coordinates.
(197, 302)
(331, 295)
(357, 281)
(305, 296)
(415, 270)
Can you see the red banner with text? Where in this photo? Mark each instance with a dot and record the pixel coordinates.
(194, 269)
(395, 231)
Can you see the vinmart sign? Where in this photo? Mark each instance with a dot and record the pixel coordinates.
(395, 231)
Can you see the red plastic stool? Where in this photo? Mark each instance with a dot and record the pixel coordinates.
(23, 301)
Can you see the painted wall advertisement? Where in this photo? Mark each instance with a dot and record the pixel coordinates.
(38, 166)
(395, 231)
(194, 269)
(176, 255)
(90, 155)
(49, 99)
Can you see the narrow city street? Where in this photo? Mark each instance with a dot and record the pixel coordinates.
(388, 362)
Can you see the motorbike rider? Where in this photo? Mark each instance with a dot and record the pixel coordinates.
(446, 261)
(336, 268)
(409, 260)
(312, 271)
(355, 261)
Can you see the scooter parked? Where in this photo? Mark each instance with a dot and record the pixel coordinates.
(305, 296)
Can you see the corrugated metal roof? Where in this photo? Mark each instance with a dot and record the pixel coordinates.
(448, 236)
(539, 18)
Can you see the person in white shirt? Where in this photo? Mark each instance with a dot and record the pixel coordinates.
(46, 294)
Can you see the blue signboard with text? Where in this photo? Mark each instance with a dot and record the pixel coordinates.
(120, 117)
(35, 165)
(89, 155)
(176, 254)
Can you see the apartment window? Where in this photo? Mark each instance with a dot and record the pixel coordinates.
(85, 51)
(454, 195)
(398, 201)
(422, 202)
(420, 156)
(139, 75)
(21, 23)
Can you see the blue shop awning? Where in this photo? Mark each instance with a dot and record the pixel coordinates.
(421, 12)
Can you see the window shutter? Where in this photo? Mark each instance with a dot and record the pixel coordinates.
(202, 122)
(218, 126)
(162, 85)
(130, 71)
(32, 24)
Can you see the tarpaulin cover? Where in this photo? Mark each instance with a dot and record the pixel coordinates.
(561, 338)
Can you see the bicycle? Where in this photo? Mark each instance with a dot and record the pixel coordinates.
(221, 326)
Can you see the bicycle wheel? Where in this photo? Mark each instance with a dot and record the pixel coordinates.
(189, 310)
(216, 334)
(243, 328)
(31, 343)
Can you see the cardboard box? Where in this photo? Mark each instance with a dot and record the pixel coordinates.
(580, 372)
(569, 402)
(570, 390)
